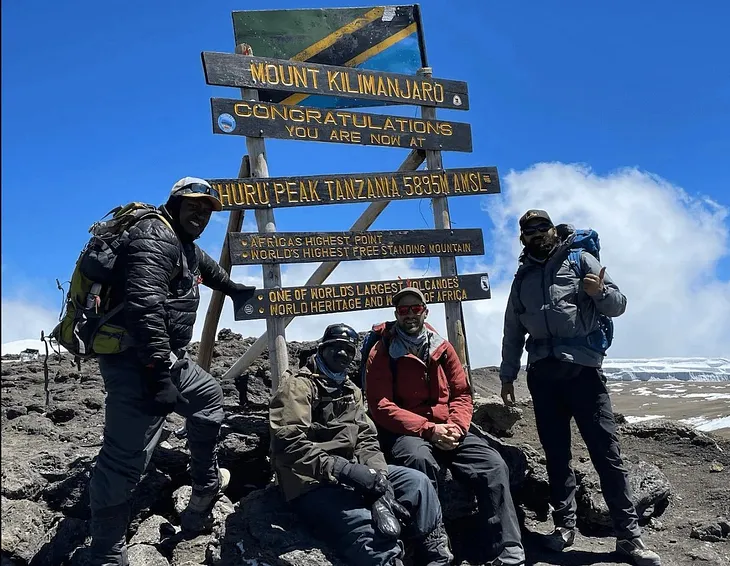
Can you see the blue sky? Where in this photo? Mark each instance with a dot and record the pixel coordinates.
(104, 103)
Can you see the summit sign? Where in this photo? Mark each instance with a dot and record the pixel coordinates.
(225, 69)
(262, 119)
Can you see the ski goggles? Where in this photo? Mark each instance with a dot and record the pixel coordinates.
(198, 188)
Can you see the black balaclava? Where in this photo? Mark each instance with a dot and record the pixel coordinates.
(172, 206)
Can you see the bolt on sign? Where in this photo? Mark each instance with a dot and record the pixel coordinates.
(277, 192)
(226, 69)
(300, 247)
(264, 119)
(344, 297)
(376, 38)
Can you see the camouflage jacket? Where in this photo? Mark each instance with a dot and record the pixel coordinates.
(311, 420)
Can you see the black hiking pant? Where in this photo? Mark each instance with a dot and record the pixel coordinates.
(561, 391)
(479, 466)
(341, 517)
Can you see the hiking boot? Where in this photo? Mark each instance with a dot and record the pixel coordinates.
(435, 548)
(559, 539)
(636, 551)
(195, 516)
(109, 536)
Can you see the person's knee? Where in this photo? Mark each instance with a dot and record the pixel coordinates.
(493, 470)
(420, 458)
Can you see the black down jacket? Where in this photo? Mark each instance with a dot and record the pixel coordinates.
(160, 297)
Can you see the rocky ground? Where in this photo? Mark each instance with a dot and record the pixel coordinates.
(679, 477)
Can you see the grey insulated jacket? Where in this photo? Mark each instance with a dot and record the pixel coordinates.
(552, 305)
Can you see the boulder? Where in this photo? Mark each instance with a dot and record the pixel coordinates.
(153, 530)
(146, 555)
(650, 491)
(715, 531)
(264, 528)
(70, 495)
(494, 417)
(66, 534)
(24, 524)
(15, 412)
(20, 479)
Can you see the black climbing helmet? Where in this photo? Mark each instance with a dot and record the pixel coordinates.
(339, 333)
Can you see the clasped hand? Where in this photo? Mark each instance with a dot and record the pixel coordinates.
(446, 436)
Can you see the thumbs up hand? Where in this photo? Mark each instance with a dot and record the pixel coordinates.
(593, 284)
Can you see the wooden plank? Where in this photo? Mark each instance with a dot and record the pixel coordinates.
(303, 247)
(276, 192)
(442, 220)
(268, 120)
(215, 307)
(226, 69)
(320, 275)
(275, 328)
(346, 297)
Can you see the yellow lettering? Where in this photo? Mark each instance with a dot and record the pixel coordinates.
(257, 72)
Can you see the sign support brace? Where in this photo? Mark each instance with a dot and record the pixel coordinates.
(215, 307)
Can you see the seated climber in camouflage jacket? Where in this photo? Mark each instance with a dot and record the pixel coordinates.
(329, 465)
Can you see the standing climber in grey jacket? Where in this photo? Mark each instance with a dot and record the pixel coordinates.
(562, 299)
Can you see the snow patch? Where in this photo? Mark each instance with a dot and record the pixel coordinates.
(706, 425)
(632, 420)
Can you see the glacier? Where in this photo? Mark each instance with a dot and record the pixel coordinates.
(682, 369)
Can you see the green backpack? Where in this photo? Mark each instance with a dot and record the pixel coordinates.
(84, 328)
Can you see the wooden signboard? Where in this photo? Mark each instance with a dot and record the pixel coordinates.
(378, 38)
(276, 192)
(301, 247)
(225, 69)
(267, 120)
(345, 297)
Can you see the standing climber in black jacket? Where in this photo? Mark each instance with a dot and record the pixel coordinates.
(158, 283)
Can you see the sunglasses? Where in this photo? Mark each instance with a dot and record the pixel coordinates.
(415, 309)
(200, 189)
(542, 227)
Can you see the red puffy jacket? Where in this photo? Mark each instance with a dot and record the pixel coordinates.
(422, 394)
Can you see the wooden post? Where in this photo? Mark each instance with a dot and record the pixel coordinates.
(325, 269)
(442, 220)
(278, 356)
(215, 307)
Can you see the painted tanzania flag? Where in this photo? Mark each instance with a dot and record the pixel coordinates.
(381, 38)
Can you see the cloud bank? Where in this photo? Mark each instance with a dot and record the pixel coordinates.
(660, 244)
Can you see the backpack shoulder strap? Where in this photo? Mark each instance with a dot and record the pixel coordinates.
(575, 262)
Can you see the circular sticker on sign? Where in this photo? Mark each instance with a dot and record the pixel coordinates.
(248, 309)
(226, 123)
(457, 102)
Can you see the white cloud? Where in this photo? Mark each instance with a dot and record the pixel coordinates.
(660, 244)
(22, 319)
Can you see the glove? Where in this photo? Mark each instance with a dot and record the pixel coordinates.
(361, 477)
(239, 292)
(164, 396)
(387, 514)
